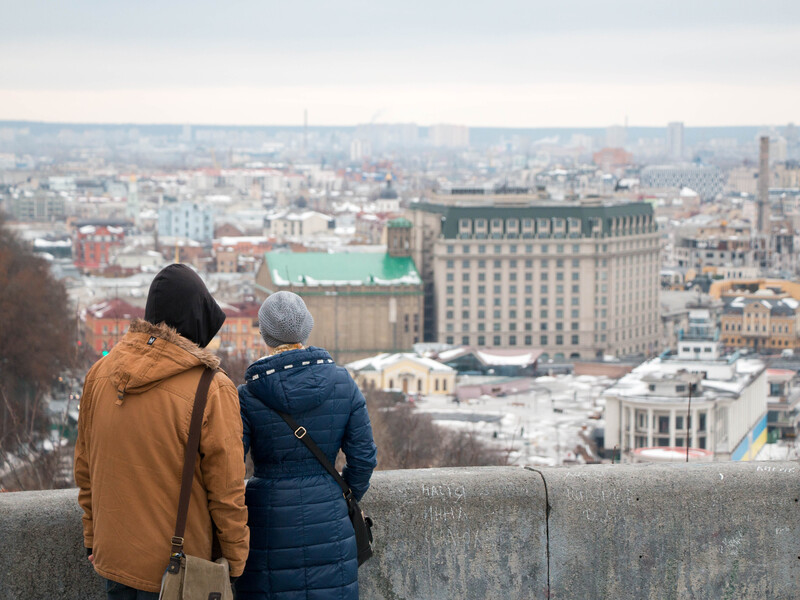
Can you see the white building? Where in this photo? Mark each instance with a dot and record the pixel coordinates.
(708, 181)
(188, 220)
(675, 140)
(650, 407)
(299, 225)
(449, 136)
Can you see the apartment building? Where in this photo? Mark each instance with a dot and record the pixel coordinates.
(504, 268)
(189, 220)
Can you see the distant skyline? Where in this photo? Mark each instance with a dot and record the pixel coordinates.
(513, 63)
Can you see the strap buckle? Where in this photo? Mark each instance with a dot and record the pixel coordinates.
(300, 432)
(177, 541)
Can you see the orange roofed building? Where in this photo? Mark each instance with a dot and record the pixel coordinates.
(106, 322)
(239, 334)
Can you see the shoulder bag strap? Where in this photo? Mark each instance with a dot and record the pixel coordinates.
(190, 457)
(301, 434)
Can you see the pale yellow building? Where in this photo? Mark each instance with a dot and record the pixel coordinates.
(406, 372)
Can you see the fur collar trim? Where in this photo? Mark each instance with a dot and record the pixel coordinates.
(167, 333)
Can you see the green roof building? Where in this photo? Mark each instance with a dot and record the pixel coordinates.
(363, 303)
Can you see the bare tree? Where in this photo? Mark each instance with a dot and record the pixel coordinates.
(407, 439)
(36, 345)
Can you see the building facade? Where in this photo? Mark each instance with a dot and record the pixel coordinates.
(694, 397)
(405, 372)
(104, 323)
(675, 140)
(240, 334)
(761, 322)
(363, 303)
(508, 269)
(36, 206)
(708, 181)
(297, 225)
(188, 220)
(94, 245)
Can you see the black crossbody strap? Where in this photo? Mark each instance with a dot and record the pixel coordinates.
(301, 434)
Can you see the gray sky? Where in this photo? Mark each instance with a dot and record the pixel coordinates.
(499, 63)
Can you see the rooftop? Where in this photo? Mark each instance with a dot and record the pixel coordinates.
(115, 309)
(339, 268)
(382, 361)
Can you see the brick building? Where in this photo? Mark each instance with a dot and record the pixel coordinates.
(104, 323)
(93, 245)
(240, 334)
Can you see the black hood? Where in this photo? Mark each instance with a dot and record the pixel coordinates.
(179, 298)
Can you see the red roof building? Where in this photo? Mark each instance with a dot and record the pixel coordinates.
(92, 245)
(240, 334)
(106, 322)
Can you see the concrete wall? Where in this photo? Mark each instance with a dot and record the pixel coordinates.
(718, 530)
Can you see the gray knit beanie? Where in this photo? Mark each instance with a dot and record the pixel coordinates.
(284, 319)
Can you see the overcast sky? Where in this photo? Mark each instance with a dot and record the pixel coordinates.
(491, 63)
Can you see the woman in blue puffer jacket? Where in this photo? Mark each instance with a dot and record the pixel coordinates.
(302, 545)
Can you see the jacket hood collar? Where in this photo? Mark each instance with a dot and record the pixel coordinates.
(293, 381)
(170, 335)
(151, 353)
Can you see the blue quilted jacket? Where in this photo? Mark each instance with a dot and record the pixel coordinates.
(302, 545)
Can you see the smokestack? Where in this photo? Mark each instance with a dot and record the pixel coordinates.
(763, 186)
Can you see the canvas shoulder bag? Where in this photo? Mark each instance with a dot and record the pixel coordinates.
(362, 524)
(190, 577)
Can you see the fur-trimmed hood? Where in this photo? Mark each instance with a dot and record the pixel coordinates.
(149, 353)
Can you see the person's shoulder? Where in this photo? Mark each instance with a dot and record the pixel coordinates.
(222, 381)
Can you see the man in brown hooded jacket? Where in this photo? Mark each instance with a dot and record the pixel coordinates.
(132, 431)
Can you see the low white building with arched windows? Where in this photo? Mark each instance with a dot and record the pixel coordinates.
(406, 372)
(695, 397)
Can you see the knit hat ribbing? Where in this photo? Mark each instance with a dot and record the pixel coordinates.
(284, 319)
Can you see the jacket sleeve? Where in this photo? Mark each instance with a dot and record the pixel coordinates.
(359, 447)
(81, 463)
(223, 472)
(245, 420)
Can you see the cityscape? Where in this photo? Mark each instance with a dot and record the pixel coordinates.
(554, 246)
(558, 297)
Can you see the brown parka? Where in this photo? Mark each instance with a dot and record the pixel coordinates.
(132, 431)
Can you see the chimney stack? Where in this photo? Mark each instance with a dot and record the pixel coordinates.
(763, 186)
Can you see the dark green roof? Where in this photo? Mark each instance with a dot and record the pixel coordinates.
(586, 212)
(342, 268)
(400, 222)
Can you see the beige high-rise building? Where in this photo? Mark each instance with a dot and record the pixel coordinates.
(507, 269)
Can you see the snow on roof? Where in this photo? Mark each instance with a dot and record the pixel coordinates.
(289, 216)
(115, 309)
(493, 356)
(520, 360)
(228, 240)
(40, 243)
(382, 361)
